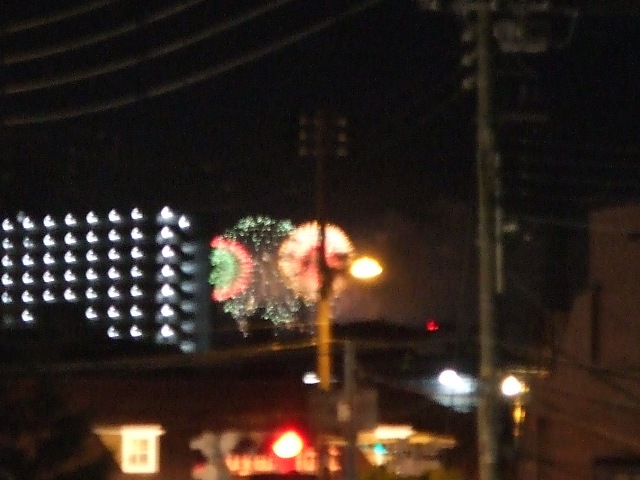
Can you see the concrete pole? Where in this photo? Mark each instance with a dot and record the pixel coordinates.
(488, 451)
(323, 314)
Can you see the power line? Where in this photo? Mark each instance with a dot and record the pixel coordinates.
(22, 57)
(56, 17)
(147, 56)
(184, 82)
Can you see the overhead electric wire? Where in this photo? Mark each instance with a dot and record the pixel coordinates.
(151, 54)
(55, 17)
(22, 57)
(206, 74)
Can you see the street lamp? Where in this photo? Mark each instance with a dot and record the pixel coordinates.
(362, 268)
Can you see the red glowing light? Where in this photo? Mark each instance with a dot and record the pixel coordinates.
(432, 325)
(288, 445)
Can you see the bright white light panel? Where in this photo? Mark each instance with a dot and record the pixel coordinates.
(132, 273)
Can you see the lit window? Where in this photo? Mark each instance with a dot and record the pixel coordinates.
(48, 240)
(92, 237)
(136, 252)
(136, 214)
(28, 224)
(27, 242)
(167, 332)
(48, 296)
(113, 273)
(113, 312)
(135, 311)
(167, 291)
(167, 310)
(70, 220)
(91, 274)
(48, 259)
(49, 222)
(27, 260)
(139, 447)
(48, 277)
(27, 279)
(167, 271)
(69, 276)
(70, 295)
(27, 316)
(92, 256)
(113, 254)
(166, 214)
(114, 216)
(136, 272)
(135, 331)
(7, 262)
(136, 234)
(184, 223)
(92, 218)
(6, 244)
(136, 291)
(70, 257)
(7, 226)
(6, 298)
(113, 292)
(91, 313)
(168, 252)
(70, 239)
(91, 294)
(27, 297)
(7, 280)
(166, 233)
(113, 332)
(114, 236)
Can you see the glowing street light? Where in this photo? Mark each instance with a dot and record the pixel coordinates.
(365, 268)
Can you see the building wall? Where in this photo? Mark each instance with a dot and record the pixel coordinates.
(588, 409)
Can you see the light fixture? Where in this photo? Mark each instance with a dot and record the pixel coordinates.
(27, 242)
(91, 313)
(7, 244)
(69, 276)
(136, 291)
(6, 261)
(113, 254)
(113, 292)
(135, 311)
(27, 316)
(136, 253)
(136, 214)
(70, 257)
(48, 296)
(27, 297)
(48, 277)
(136, 234)
(113, 312)
(91, 256)
(27, 279)
(91, 294)
(135, 331)
(113, 273)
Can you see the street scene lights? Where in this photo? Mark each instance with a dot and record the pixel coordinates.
(515, 389)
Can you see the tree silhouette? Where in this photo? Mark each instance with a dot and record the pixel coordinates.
(42, 437)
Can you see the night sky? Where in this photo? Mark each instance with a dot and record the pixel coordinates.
(200, 109)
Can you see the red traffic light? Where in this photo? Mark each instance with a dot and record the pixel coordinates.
(288, 444)
(432, 325)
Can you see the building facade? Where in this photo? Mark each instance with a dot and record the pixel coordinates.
(583, 418)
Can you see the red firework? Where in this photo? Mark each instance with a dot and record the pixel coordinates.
(298, 258)
(232, 268)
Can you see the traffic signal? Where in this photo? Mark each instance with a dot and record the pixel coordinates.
(288, 444)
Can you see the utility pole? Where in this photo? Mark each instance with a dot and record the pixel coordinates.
(488, 445)
(327, 140)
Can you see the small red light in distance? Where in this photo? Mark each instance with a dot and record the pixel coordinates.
(432, 325)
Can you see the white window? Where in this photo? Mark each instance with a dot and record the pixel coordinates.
(139, 447)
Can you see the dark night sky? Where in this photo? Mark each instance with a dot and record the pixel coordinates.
(227, 145)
